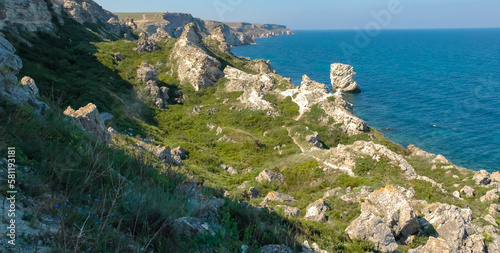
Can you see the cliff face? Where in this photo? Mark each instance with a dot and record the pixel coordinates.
(36, 15)
(33, 15)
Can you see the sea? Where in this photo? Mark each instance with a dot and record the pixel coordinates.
(437, 89)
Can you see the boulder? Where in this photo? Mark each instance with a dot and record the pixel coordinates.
(491, 220)
(195, 65)
(314, 248)
(451, 223)
(275, 248)
(482, 178)
(394, 209)
(146, 44)
(494, 245)
(164, 153)
(332, 192)
(253, 193)
(279, 197)
(469, 191)
(89, 120)
(180, 152)
(271, 176)
(314, 140)
(317, 211)
(147, 72)
(495, 176)
(369, 227)
(490, 196)
(289, 211)
(341, 76)
(159, 94)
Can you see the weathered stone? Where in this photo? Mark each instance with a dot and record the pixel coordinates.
(271, 176)
(491, 220)
(188, 226)
(469, 191)
(314, 248)
(164, 153)
(89, 119)
(195, 65)
(495, 176)
(475, 244)
(275, 248)
(279, 197)
(341, 76)
(289, 211)
(456, 194)
(314, 140)
(159, 94)
(433, 245)
(179, 151)
(494, 209)
(317, 211)
(191, 188)
(145, 44)
(482, 178)
(370, 227)
(451, 223)
(494, 245)
(147, 72)
(331, 192)
(29, 15)
(490, 196)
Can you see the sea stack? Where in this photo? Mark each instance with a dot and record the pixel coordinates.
(342, 78)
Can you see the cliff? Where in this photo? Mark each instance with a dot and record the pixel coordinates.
(236, 34)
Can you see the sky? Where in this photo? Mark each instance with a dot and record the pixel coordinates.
(329, 14)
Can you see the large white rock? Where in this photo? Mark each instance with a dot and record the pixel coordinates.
(341, 76)
(89, 119)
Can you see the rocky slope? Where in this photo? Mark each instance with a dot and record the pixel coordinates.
(259, 165)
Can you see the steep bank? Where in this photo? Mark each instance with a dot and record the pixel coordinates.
(211, 152)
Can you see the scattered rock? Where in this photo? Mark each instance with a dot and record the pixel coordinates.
(279, 197)
(314, 248)
(242, 186)
(490, 196)
(491, 220)
(494, 209)
(146, 44)
(469, 191)
(315, 140)
(289, 211)
(213, 111)
(440, 159)
(341, 76)
(232, 171)
(317, 211)
(197, 110)
(219, 130)
(226, 138)
(482, 178)
(159, 94)
(475, 243)
(370, 227)
(189, 227)
(89, 120)
(433, 245)
(331, 192)
(495, 176)
(191, 188)
(271, 176)
(456, 194)
(253, 193)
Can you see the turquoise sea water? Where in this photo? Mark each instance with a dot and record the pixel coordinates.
(437, 89)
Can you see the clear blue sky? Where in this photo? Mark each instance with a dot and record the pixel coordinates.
(327, 14)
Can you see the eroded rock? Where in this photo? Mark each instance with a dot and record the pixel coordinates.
(271, 176)
(341, 76)
(370, 227)
(89, 119)
(279, 197)
(317, 211)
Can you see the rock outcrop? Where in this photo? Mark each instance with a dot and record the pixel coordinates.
(30, 15)
(159, 94)
(279, 197)
(451, 223)
(341, 76)
(89, 120)
(289, 211)
(147, 72)
(386, 215)
(275, 248)
(311, 93)
(317, 211)
(271, 176)
(195, 65)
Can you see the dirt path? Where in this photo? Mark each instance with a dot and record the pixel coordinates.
(295, 141)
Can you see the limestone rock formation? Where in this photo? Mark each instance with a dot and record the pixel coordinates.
(147, 72)
(433, 245)
(317, 211)
(164, 153)
(370, 227)
(239, 80)
(314, 248)
(145, 44)
(341, 76)
(159, 94)
(482, 178)
(89, 119)
(271, 176)
(469, 191)
(195, 65)
(490, 196)
(452, 224)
